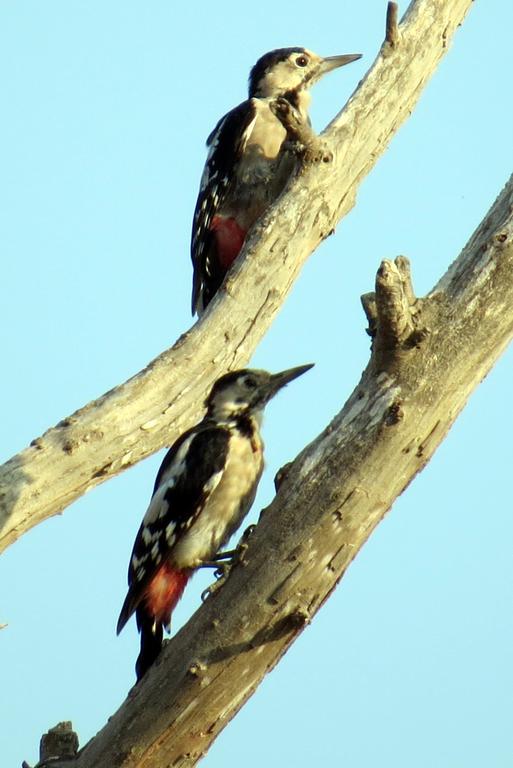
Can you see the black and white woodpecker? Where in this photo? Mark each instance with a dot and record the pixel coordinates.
(204, 489)
(249, 162)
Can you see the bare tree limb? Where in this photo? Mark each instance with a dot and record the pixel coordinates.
(328, 503)
(59, 743)
(151, 409)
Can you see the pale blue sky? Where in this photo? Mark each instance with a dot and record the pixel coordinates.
(105, 111)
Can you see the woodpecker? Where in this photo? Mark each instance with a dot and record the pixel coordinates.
(249, 162)
(204, 489)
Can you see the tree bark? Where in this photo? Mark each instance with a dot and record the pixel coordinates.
(149, 411)
(428, 355)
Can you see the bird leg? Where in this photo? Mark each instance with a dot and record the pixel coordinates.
(223, 563)
(312, 148)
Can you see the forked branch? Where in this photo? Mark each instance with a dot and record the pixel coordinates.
(328, 503)
(150, 410)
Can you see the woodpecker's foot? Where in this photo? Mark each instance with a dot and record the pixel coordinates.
(232, 555)
(223, 563)
(317, 152)
(310, 146)
(221, 573)
(291, 119)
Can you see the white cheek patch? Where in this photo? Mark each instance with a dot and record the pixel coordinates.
(227, 405)
(284, 75)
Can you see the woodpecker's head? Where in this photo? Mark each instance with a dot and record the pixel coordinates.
(247, 391)
(289, 72)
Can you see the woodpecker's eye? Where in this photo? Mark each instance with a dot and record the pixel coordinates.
(250, 382)
(302, 61)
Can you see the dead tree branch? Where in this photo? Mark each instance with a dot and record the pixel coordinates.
(147, 412)
(328, 503)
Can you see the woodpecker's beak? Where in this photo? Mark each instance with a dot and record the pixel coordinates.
(278, 380)
(334, 62)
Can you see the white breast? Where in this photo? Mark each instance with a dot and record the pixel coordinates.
(263, 170)
(268, 134)
(227, 506)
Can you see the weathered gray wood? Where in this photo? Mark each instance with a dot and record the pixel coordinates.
(428, 355)
(151, 409)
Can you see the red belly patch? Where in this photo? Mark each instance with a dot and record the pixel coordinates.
(164, 591)
(229, 239)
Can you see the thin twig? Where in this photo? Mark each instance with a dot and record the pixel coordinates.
(392, 29)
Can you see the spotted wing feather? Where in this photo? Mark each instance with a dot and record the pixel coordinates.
(191, 470)
(225, 145)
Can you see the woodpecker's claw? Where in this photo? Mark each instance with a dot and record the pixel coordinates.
(231, 557)
(288, 115)
(221, 574)
(299, 130)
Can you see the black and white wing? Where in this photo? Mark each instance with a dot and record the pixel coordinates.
(225, 145)
(190, 472)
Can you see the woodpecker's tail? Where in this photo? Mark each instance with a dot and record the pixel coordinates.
(151, 642)
(154, 612)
